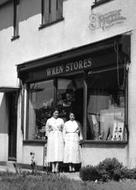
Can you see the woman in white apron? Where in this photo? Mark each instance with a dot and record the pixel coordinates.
(72, 135)
(55, 143)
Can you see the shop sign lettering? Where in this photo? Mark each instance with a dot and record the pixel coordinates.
(69, 67)
(105, 21)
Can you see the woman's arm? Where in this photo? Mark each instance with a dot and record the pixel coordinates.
(48, 128)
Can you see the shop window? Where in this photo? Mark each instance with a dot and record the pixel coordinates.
(40, 104)
(65, 94)
(15, 19)
(98, 100)
(106, 109)
(52, 11)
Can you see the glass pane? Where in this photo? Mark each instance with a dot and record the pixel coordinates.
(41, 100)
(106, 106)
(70, 98)
(101, 1)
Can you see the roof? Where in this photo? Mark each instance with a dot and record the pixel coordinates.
(2, 2)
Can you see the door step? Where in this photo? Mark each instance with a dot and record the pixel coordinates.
(9, 166)
(3, 168)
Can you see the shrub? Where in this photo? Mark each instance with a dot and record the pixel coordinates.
(90, 173)
(104, 176)
(116, 174)
(108, 169)
(128, 173)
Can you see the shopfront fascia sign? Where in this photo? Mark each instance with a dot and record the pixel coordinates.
(107, 20)
(79, 65)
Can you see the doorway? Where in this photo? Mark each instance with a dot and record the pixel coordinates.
(70, 97)
(12, 117)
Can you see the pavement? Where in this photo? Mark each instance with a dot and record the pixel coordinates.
(74, 175)
(10, 167)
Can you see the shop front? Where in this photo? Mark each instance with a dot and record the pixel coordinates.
(92, 82)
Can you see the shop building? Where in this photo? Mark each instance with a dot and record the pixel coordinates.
(78, 56)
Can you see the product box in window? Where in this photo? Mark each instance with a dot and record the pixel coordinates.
(112, 124)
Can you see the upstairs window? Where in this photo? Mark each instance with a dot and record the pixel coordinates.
(15, 19)
(52, 11)
(99, 2)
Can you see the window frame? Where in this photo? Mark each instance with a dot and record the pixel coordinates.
(27, 108)
(55, 82)
(15, 20)
(85, 93)
(85, 140)
(46, 15)
(99, 2)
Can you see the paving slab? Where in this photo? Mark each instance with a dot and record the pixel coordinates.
(74, 175)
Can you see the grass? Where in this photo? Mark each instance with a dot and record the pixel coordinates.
(26, 181)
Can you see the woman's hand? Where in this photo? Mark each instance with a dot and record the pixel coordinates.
(60, 128)
(50, 129)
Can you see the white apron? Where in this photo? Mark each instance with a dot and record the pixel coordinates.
(55, 143)
(71, 138)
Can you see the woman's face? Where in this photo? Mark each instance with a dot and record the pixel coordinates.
(55, 114)
(72, 116)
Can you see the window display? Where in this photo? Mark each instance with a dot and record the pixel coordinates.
(41, 101)
(106, 106)
(100, 111)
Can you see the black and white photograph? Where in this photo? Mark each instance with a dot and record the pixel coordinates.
(68, 94)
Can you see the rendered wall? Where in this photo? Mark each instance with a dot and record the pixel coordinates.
(94, 153)
(3, 129)
(39, 154)
(72, 32)
(132, 103)
(20, 132)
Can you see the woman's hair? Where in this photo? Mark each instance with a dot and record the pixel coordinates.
(71, 112)
(54, 109)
